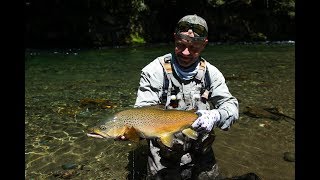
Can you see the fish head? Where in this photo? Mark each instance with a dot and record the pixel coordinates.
(107, 129)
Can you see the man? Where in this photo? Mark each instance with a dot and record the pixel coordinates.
(184, 80)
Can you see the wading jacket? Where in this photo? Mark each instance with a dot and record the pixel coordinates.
(159, 84)
(207, 90)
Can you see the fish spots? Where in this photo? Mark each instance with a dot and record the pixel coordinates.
(146, 123)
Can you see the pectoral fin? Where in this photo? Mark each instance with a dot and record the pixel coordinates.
(167, 139)
(131, 134)
(190, 133)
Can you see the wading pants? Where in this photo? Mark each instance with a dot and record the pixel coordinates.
(186, 160)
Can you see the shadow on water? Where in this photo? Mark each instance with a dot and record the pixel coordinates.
(137, 165)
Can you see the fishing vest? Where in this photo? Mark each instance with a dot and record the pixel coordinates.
(185, 94)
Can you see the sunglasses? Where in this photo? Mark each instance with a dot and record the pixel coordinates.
(197, 29)
(193, 44)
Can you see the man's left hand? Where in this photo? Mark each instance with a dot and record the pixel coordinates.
(206, 121)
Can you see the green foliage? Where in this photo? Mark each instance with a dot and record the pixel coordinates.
(135, 38)
(258, 36)
(137, 29)
(139, 5)
(216, 3)
(122, 22)
(285, 7)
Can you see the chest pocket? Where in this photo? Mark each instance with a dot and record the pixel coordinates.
(182, 94)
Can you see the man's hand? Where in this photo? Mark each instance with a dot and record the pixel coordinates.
(206, 121)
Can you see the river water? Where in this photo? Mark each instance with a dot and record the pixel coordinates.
(58, 81)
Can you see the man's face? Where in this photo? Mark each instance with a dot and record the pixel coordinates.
(188, 48)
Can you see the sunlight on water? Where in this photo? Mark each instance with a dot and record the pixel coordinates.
(56, 84)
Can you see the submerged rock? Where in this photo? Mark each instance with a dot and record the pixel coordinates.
(69, 166)
(69, 171)
(257, 112)
(94, 103)
(289, 156)
(66, 174)
(274, 113)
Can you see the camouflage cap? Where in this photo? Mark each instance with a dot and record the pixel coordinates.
(194, 19)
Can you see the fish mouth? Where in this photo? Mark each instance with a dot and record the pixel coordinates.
(93, 132)
(95, 135)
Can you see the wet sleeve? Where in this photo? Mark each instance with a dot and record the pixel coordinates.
(224, 102)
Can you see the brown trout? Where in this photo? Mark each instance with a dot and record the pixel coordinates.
(147, 123)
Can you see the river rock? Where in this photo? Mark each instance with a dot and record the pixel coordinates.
(289, 156)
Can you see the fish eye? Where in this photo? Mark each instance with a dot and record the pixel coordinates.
(103, 127)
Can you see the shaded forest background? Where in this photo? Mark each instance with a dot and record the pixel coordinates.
(97, 23)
